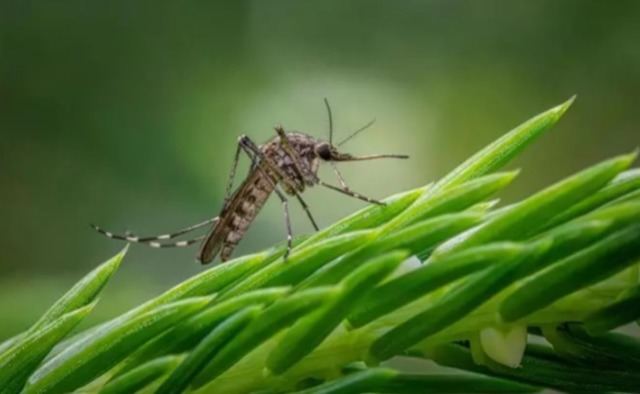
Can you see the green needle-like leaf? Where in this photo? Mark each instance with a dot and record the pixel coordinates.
(187, 334)
(417, 238)
(505, 148)
(25, 355)
(579, 270)
(140, 377)
(272, 320)
(542, 367)
(83, 292)
(623, 184)
(609, 351)
(210, 345)
(453, 199)
(623, 311)
(384, 380)
(368, 217)
(527, 217)
(311, 330)
(301, 263)
(88, 359)
(458, 302)
(406, 288)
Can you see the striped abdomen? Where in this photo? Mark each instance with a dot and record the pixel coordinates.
(236, 217)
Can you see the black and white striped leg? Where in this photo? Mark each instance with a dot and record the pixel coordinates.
(351, 193)
(306, 209)
(154, 239)
(176, 244)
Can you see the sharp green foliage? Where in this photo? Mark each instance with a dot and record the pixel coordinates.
(623, 311)
(187, 334)
(457, 303)
(311, 330)
(371, 216)
(383, 380)
(437, 272)
(542, 367)
(83, 293)
(272, 320)
(623, 185)
(300, 263)
(208, 348)
(577, 271)
(414, 284)
(607, 351)
(505, 148)
(85, 360)
(417, 238)
(141, 376)
(17, 363)
(527, 217)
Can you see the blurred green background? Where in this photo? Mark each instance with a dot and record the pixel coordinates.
(127, 114)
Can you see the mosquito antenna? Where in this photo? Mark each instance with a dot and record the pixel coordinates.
(363, 128)
(326, 103)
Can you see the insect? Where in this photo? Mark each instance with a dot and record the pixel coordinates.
(286, 165)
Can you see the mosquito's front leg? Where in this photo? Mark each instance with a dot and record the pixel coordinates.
(341, 180)
(351, 193)
(344, 188)
(232, 175)
(306, 209)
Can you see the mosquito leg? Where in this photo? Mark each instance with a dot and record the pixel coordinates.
(345, 188)
(306, 209)
(232, 175)
(339, 176)
(351, 193)
(287, 221)
(133, 238)
(177, 244)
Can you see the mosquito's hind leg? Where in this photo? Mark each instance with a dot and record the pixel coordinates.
(154, 239)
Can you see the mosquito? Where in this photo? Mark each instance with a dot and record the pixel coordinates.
(286, 165)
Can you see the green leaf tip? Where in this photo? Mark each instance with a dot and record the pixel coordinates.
(24, 356)
(83, 292)
(505, 148)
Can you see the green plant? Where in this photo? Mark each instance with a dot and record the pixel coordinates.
(562, 265)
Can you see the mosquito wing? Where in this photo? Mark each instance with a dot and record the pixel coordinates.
(236, 217)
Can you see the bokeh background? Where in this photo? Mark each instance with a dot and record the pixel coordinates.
(127, 114)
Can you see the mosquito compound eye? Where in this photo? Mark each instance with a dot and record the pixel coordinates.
(324, 151)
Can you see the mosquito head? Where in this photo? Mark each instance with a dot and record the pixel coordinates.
(328, 152)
